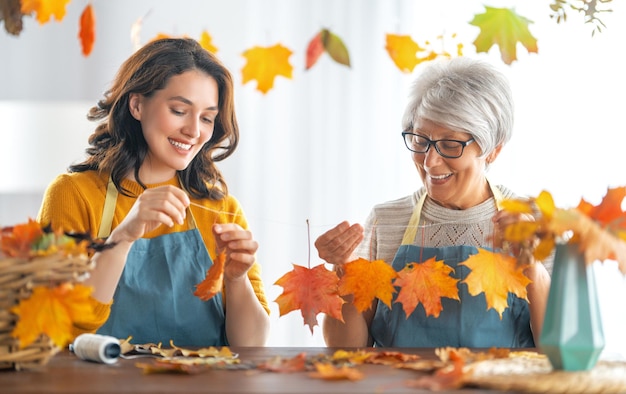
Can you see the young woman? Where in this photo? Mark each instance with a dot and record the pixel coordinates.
(150, 187)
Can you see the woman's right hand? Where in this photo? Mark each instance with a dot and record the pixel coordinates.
(337, 244)
(154, 207)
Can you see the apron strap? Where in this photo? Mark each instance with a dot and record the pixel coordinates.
(109, 210)
(411, 230)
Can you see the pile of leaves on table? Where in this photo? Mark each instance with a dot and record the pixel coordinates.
(452, 368)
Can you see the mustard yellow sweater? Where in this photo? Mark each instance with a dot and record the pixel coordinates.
(74, 202)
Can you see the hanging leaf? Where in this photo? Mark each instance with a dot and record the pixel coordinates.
(206, 42)
(403, 51)
(87, 29)
(496, 275)
(326, 41)
(312, 290)
(45, 9)
(314, 50)
(335, 47)
(52, 311)
(11, 12)
(406, 53)
(214, 280)
(368, 280)
(505, 28)
(426, 283)
(264, 64)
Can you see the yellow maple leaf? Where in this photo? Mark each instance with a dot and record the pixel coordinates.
(426, 283)
(368, 280)
(45, 9)
(52, 312)
(403, 51)
(496, 275)
(505, 28)
(264, 64)
(206, 42)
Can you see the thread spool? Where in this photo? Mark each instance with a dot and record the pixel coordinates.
(98, 348)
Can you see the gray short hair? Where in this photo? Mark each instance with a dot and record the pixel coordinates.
(465, 95)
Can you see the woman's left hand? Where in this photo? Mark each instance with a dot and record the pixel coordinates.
(239, 246)
(522, 250)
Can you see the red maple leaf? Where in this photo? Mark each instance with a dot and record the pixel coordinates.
(312, 290)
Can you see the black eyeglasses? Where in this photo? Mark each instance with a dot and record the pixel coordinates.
(450, 149)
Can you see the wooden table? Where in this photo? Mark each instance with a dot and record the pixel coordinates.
(65, 373)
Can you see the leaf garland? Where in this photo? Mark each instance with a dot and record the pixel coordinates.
(600, 230)
(498, 26)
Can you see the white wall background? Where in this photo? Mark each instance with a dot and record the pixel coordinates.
(325, 145)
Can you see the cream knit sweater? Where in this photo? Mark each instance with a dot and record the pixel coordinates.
(439, 226)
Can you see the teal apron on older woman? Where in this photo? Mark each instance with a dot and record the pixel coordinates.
(154, 299)
(467, 323)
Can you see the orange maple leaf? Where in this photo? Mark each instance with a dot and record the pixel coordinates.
(45, 9)
(496, 275)
(264, 64)
(609, 212)
(18, 240)
(206, 42)
(312, 290)
(427, 283)
(52, 311)
(87, 29)
(367, 280)
(214, 280)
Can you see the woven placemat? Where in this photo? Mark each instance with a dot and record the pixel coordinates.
(534, 373)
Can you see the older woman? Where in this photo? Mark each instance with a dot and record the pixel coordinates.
(459, 116)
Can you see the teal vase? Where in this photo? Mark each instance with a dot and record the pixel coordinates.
(572, 336)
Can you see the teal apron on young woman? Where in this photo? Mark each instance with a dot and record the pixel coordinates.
(467, 323)
(154, 299)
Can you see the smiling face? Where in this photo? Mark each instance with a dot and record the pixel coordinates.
(176, 122)
(453, 183)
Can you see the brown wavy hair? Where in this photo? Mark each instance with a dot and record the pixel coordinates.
(118, 145)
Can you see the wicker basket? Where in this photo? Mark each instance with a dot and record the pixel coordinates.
(17, 279)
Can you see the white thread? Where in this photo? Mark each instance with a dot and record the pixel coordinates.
(95, 347)
(219, 212)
